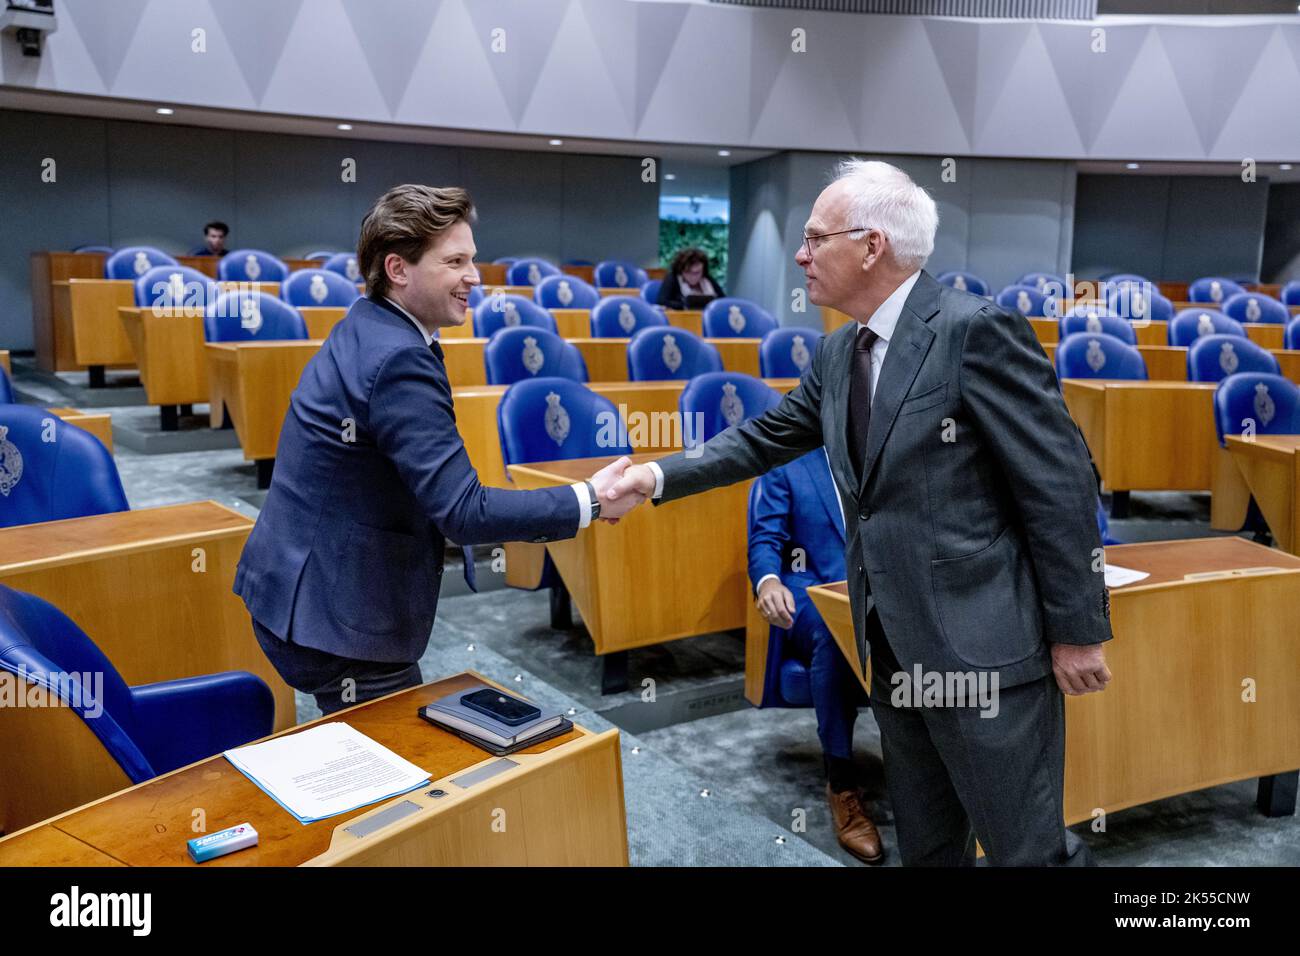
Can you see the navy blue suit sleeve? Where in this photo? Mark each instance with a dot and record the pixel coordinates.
(769, 531)
(414, 425)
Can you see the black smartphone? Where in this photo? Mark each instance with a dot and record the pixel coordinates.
(511, 711)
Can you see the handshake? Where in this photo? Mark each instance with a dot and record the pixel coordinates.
(621, 486)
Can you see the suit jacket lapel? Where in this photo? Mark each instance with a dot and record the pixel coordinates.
(907, 350)
(822, 480)
(837, 394)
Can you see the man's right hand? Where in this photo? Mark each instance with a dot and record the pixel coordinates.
(776, 603)
(636, 480)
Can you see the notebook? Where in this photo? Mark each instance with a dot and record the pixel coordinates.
(482, 730)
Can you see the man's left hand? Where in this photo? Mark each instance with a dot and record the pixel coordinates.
(1080, 668)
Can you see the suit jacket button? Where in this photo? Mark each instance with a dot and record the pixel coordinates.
(861, 569)
(864, 514)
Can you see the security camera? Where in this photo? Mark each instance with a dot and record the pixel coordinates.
(29, 21)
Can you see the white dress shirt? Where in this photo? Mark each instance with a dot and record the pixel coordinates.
(579, 487)
(882, 322)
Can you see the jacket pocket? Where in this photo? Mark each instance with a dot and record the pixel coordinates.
(370, 591)
(927, 399)
(988, 604)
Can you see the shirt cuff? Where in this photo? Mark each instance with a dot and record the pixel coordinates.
(659, 478)
(764, 578)
(584, 503)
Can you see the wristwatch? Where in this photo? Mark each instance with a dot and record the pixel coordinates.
(595, 500)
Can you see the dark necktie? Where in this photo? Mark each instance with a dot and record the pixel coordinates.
(860, 397)
(467, 553)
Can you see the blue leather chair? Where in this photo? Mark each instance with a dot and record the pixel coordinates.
(1098, 322)
(619, 274)
(524, 352)
(251, 265)
(345, 264)
(175, 287)
(659, 354)
(530, 271)
(132, 262)
(1119, 278)
(1045, 282)
(503, 310)
(551, 419)
(622, 316)
(6, 389)
(650, 291)
(1291, 337)
(967, 281)
(1212, 358)
(565, 292)
(579, 262)
(1255, 307)
(242, 316)
(1212, 289)
(719, 400)
(1085, 355)
(1270, 402)
(729, 318)
(318, 287)
(475, 296)
(148, 729)
(1190, 324)
(505, 261)
(1028, 301)
(70, 477)
(787, 352)
(101, 250)
(1290, 294)
(1138, 303)
(321, 255)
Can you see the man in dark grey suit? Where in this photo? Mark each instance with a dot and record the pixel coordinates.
(975, 567)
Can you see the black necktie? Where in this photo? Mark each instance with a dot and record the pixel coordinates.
(860, 397)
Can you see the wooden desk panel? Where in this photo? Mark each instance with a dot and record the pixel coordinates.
(661, 573)
(464, 361)
(1265, 335)
(572, 323)
(51, 328)
(563, 804)
(321, 319)
(168, 348)
(129, 581)
(255, 381)
(692, 320)
(1173, 720)
(99, 424)
(98, 336)
(1270, 466)
(205, 264)
(1288, 361)
(1146, 436)
(491, 273)
(1147, 333)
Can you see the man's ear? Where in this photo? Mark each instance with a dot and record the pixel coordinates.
(395, 269)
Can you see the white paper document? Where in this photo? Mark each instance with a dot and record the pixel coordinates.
(326, 770)
(1117, 577)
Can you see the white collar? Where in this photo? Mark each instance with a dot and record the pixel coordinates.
(428, 336)
(884, 319)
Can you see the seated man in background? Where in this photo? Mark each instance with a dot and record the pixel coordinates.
(796, 539)
(214, 239)
(688, 282)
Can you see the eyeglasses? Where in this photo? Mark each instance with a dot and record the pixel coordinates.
(808, 240)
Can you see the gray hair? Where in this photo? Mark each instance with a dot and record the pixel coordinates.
(884, 197)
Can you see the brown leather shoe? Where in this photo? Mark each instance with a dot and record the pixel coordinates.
(853, 827)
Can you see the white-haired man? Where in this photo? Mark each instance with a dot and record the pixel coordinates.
(971, 541)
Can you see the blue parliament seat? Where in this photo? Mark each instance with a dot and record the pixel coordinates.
(321, 255)
(1028, 301)
(318, 287)
(1048, 283)
(1212, 289)
(95, 249)
(787, 352)
(131, 262)
(149, 729)
(1190, 324)
(345, 264)
(1291, 338)
(719, 400)
(622, 316)
(565, 292)
(503, 310)
(6, 389)
(50, 470)
(1290, 294)
(1212, 358)
(530, 271)
(966, 281)
(1268, 403)
(164, 288)
(522, 352)
(619, 274)
(1088, 355)
(242, 316)
(730, 317)
(660, 354)
(1138, 302)
(552, 419)
(251, 265)
(650, 291)
(1098, 322)
(1255, 307)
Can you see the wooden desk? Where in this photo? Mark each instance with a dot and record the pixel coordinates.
(1173, 720)
(562, 803)
(1270, 465)
(129, 581)
(52, 332)
(491, 273)
(99, 341)
(205, 264)
(661, 573)
(99, 424)
(168, 349)
(1146, 436)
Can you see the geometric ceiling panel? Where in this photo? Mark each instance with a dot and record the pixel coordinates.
(916, 116)
(613, 29)
(956, 46)
(391, 53)
(574, 92)
(256, 32)
(1212, 69)
(783, 80)
(1257, 128)
(1149, 118)
(1090, 74)
(1032, 116)
(654, 39)
(518, 54)
(110, 26)
(323, 54)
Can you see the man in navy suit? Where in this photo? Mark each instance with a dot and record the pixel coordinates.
(342, 570)
(796, 539)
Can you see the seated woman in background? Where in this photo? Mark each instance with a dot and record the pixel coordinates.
(689, 276)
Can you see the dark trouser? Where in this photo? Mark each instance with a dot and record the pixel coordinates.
(335, 682)
(836, 693)
(947, 769)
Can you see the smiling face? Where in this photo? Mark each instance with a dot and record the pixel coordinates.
(436, 288)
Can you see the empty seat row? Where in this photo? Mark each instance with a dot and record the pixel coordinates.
(1210, 358)
(618, 316)
(168, 287)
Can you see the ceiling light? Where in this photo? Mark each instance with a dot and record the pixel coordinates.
(1131, 166)
(1285, 166)
(724, 152)
(164, 111)
(670, 175)
(344, 126)
(556, 142)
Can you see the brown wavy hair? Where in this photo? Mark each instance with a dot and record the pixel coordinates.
(406, 220)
